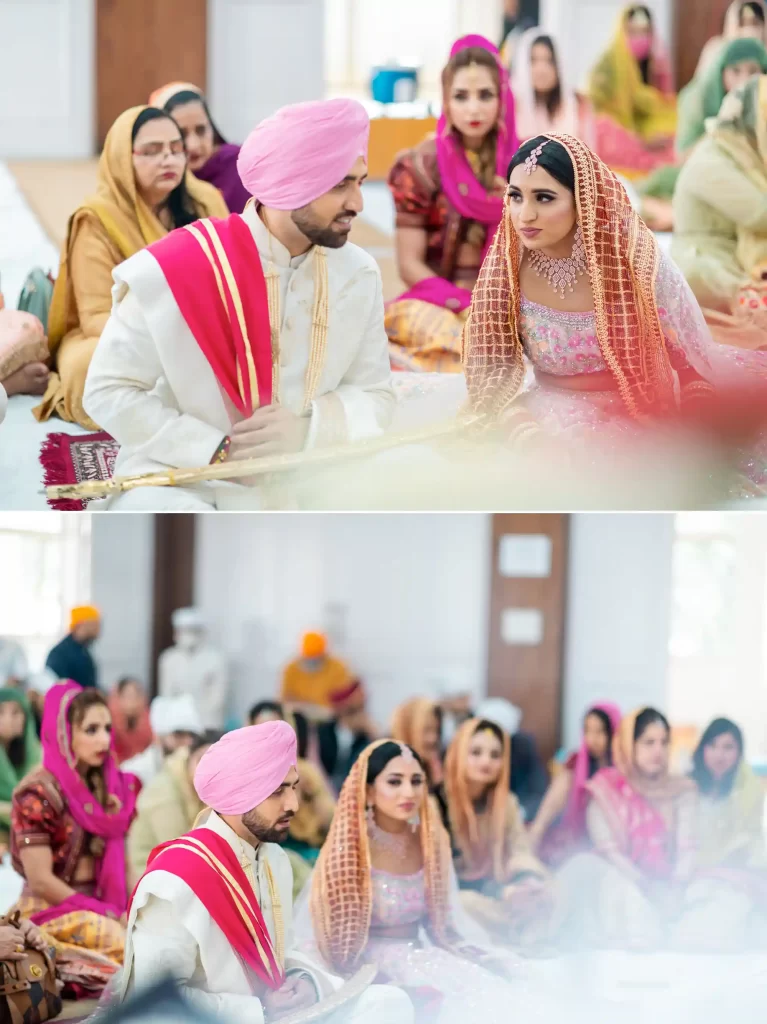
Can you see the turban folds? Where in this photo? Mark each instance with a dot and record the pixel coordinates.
(174, 714)
(83, 613)
(245, 767)
(303, 151)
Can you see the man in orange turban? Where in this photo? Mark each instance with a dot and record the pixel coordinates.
(71, 657)
(311, 679)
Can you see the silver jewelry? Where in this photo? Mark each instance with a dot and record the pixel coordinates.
(561, 274)
(414, 822)
(406, 753)
(392, 842)
(531, 161)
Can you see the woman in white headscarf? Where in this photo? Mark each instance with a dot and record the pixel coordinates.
(544, 102)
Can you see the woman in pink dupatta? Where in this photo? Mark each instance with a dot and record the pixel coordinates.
(70, 817)
(448, 196)
(559, 828)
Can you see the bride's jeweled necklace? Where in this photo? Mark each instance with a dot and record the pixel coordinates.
(560, 274)
(396, 843)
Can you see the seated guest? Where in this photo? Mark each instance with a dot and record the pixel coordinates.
(343, 738)
(131, 728)
(720, 219)
(175, 724)
(631, 92)
(418, 724)
(69, 821)
(448, 194)
(559, 828)
(303, 364)
(71, 657)
(168, 806)
(214, 912)
(211, 158)
(19, 749)
(699, 101)
(309, 825)
(543, 101)
(744, 19)
(143, 193)
(528, 779)
(383, 893)
(730, 809)
(314, 676)
(640, 889)
(504, 883)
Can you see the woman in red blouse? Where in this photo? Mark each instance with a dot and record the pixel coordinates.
(69, 818)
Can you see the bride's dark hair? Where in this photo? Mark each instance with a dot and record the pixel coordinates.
(553, 158)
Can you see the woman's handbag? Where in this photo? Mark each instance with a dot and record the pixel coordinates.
(28, 990)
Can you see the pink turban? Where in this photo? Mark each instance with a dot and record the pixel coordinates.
(245, 767)
(303, 151)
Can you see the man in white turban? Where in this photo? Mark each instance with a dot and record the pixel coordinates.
(214, 908)
(194, 667)
(258, 335)
(175, 723)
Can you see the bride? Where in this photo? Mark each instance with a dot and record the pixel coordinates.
(384, 892)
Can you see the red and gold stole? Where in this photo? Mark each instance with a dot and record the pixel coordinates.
(208, 865)
(213, 268)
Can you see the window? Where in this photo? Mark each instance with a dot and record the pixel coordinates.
(717, 648)
(45, 568)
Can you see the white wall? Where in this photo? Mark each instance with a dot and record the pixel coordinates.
(47, 79)
(360, 34)
(619, 606)
(262, 54)
(585, 27)
(405, 596)
(122, 567)
(405, 599)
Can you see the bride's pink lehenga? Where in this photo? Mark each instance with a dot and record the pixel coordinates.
(646, 330)
(410, 926)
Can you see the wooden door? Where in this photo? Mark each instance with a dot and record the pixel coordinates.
(695, 22)
(527, 616)
(174, 545)
(142, 45)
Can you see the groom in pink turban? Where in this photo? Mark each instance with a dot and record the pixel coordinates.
(264, 331)
(209, 908)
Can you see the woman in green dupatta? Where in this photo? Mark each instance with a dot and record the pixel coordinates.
(699, 101)
(19, 749)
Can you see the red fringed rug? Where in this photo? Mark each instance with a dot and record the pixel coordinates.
(73, 459)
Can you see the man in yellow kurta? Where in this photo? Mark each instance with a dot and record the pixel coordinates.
(314, 676)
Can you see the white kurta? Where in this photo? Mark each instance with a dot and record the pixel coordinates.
(201, 674)
(150, 386)
(171, 932)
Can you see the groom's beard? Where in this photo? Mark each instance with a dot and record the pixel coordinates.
(266, 831)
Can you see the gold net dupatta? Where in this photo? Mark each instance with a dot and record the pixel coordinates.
(623, 260)
(341, 901)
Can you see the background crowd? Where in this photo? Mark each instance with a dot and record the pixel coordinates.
(630, 841)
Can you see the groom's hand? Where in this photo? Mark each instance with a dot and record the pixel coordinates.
(297, 993)
(271, 430)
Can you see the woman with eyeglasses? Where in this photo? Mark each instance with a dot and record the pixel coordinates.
(144, 191)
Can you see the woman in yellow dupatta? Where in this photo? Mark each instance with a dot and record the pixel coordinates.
(720, 219)
(631, 93)
(504, 887)
(144, 191)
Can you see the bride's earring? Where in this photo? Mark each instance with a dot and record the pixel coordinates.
(370, 817)
(415, 821)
